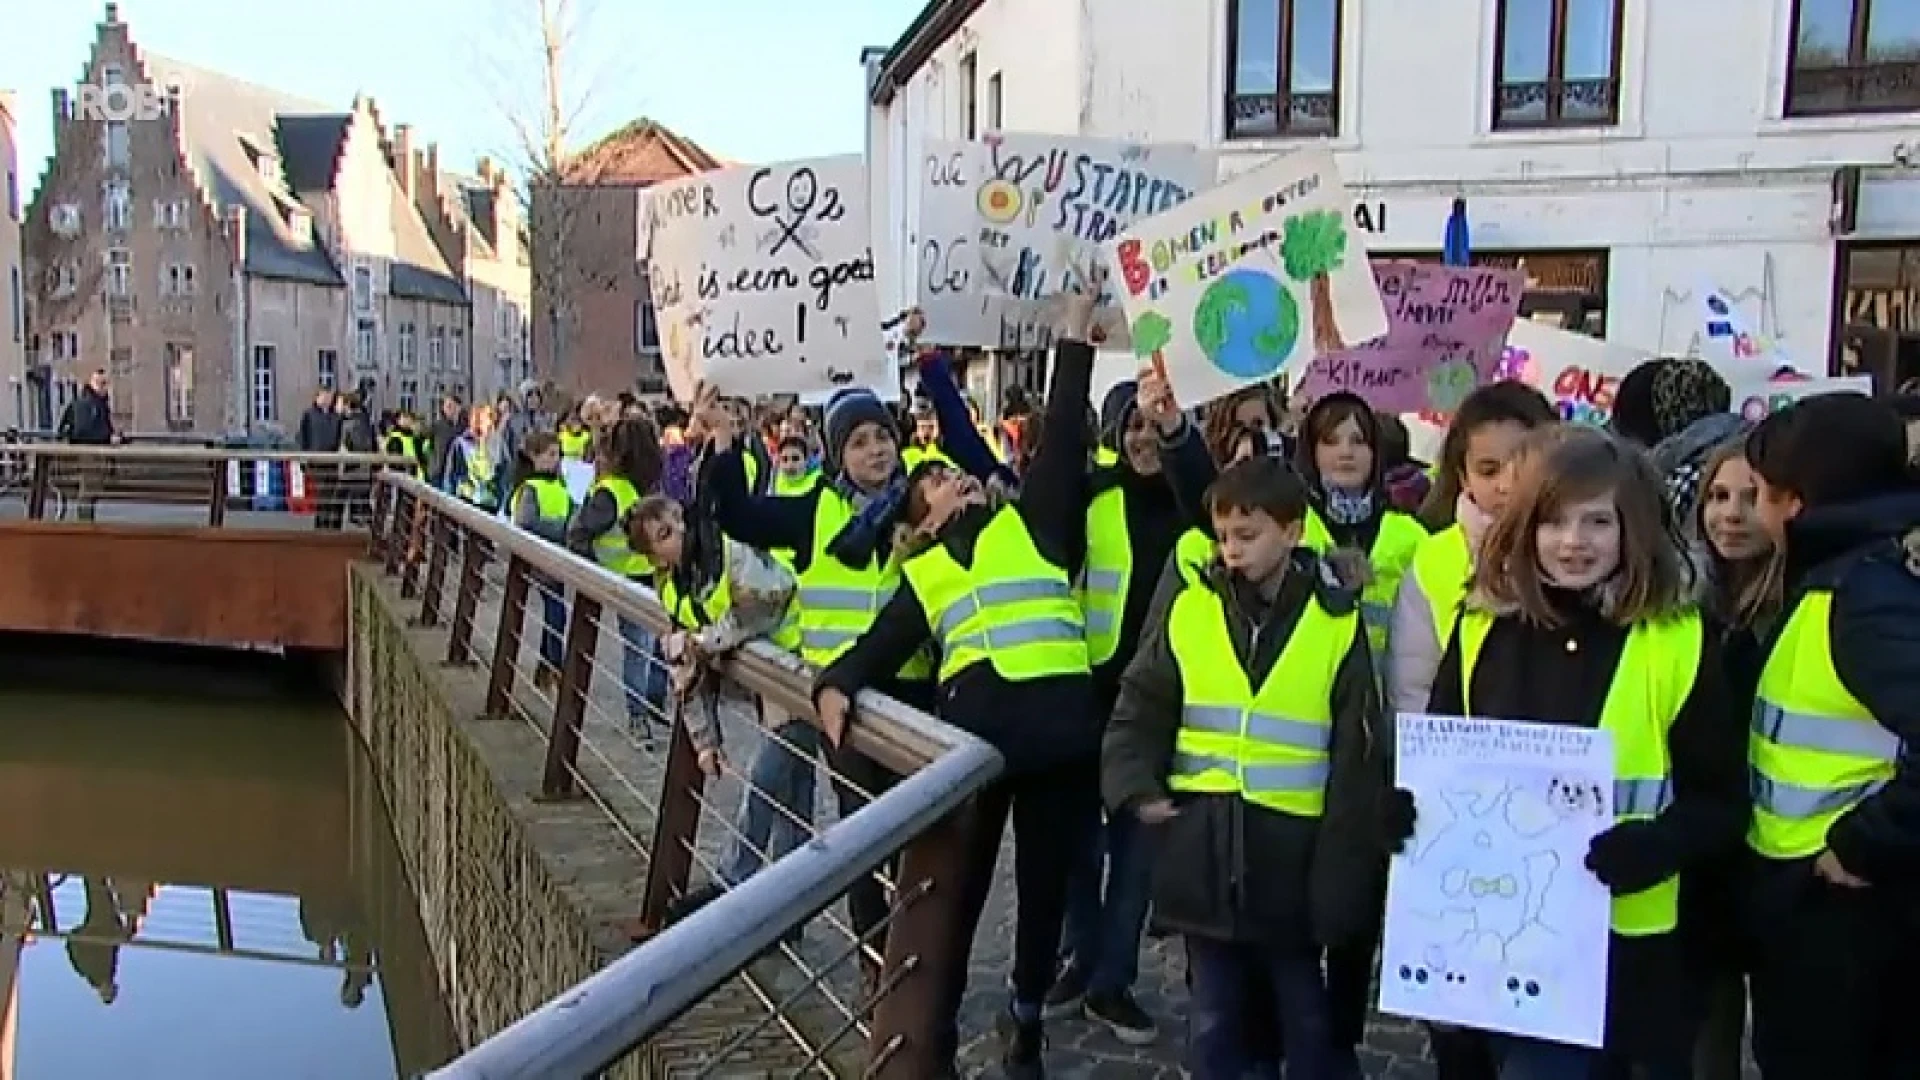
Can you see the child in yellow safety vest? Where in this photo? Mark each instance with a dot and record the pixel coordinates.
(1580, 614)
(1247, 739)
(542, 506)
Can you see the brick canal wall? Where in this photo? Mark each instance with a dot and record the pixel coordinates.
(520, 899)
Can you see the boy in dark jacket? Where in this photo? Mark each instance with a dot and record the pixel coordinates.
(1244, 733)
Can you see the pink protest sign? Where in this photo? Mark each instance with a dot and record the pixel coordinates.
(1446, 328)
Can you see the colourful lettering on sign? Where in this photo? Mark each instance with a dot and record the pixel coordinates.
(1583, 396)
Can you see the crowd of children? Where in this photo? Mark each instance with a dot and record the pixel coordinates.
(1189, 636)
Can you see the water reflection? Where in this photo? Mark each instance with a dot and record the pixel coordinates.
(205, 889)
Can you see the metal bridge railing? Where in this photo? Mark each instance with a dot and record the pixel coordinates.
(185, 485)
(808, 989)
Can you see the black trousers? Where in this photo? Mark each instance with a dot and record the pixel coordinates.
(1825, 979)
(1049, 808)
(857, 779)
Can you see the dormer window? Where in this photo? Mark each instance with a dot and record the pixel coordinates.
(64, 218)
(300, 226)
(269, 167)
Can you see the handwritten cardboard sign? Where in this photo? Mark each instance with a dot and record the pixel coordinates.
(949, 284)
(1044, 204)
(1446, 329)
(763, 279)
(1245, 283)
(1755, 398)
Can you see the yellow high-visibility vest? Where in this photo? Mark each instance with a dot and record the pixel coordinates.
(1650, 686)
(575, 442)
(1109, 569)
(1191, 554)
(1394, 545)
(551, 495)
(1012, 608)
(1813, 750)
(693, 613)
(611, 548)
(1443, 565)
(837, 602)
(1270, 747)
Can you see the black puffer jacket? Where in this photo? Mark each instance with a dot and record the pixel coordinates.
(1225, 869)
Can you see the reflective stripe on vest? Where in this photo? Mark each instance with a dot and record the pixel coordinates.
(1268, 748)
(1395, 544)
(1012, 608)
(1651, 684)
(1443, 565)
(1103, 584)
(610, 548)
(838, 603)
(1813, 751)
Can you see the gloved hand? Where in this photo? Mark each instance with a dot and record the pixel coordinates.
(1629, 857)
(1396, 820)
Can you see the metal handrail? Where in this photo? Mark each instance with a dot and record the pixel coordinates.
(599, 1020)
(202, 455)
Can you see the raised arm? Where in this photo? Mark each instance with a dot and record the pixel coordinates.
(1053, 494)
(959, 439)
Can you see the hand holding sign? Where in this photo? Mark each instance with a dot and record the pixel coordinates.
(1154, 397)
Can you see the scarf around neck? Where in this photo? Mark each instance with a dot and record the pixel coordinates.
(1348, 507)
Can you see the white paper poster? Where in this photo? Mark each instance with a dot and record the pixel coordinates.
(1042, 206)
(1493, 920)
(948, 284)
(1756, 397)
(1247, 282)
(763, 279)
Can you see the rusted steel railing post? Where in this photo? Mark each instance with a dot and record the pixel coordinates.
(381, 515)
(398, 530)
(440, 534)
(570, 704)
(924, 956)
(37, 494)
(475, 553)
(417, 530)
(670, 857)
(217, 495)
(506, 640)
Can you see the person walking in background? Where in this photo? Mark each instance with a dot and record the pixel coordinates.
(88, 421)
(446, 429)
(356, 437)
(542, 506)
(476, 462)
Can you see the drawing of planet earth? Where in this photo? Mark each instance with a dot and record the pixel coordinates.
(1247, 323)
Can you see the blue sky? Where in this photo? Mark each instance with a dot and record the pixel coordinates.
(751, 80)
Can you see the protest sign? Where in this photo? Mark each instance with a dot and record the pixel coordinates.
(1244, 283)
(1042, 206)
(762, 279)
(1756, 397)
(949, 286)
(1579, 374)
(1445, 331)
(1493, 920)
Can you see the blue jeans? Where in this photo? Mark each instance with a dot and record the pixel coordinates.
(553, 629)
(1519, 1058)
(780, 790)
(1104, 924)
(1220, 972)
(644, 674)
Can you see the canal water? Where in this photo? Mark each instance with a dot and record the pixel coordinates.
(198, 878)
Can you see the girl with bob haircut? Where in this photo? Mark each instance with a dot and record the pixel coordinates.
(1579, 614)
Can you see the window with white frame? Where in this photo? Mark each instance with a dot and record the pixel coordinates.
(64, 218)
(170, 213)
(409, 395)
(65, 344)
(456, 349)
(179, 376)
(119, 272)
(646, 332)
(176, 279)
(366, 344)
(63, 279)
(13, 295)
(409, 356)
(328, 370)
(112, 75)
(119, 207)
(120, 362)
(363, 289)
(118, 150)
(261, 397)
(437, 349)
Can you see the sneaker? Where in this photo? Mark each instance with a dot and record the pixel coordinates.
(1021, 1044)
(1124, 1017)
(1069, 990)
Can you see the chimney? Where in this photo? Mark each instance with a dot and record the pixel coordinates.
(113, 14)
(428, 169)
(403, 158)
(237, 235)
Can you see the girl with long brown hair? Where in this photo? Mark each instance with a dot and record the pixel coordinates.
(1580, 613)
